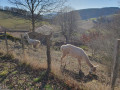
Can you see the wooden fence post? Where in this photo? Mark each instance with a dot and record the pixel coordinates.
(22, 42)
(48, 53)
(116, 64)
(6, 42)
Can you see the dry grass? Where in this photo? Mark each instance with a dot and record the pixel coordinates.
(94, 85)
(37, 59)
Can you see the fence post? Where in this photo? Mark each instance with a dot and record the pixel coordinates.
(22, 42)
(6, 42)
(116, 64)
(48, 53)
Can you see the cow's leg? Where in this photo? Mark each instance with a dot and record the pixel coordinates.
(79, 61)
(63, 56)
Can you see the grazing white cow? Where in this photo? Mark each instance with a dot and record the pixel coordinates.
(78, 53)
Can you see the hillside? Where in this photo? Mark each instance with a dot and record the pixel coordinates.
(27, 71)
(15, 21)
(97, 12)
(91, 12)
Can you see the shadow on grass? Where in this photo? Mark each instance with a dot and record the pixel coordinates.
(22, 68)
(5, 76)
(39, 78)
(79, 77)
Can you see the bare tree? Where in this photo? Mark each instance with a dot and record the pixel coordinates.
(103, 46)
(67, 20)
(37, 7)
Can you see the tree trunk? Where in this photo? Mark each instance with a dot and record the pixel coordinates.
(33, 23)
(48, 55)
(67, 39)
(33, 18)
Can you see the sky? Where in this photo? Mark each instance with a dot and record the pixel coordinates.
(81, 4)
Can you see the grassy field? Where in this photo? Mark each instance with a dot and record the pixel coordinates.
(16, 23)
(33, 60)
(12, 22)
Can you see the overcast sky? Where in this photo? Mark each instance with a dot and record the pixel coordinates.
(82, 4)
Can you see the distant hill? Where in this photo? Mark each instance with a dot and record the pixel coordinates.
(90, 13)
(97, 12)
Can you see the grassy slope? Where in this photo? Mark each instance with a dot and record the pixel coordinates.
(9, 21)
(37, 59)
(13, 22)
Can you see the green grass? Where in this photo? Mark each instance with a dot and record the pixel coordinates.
(15, 72)
(3, 73)
(48, 87)
(38, 79)
(84, 47)
(16, 23)
(9, 21)
(93, 19)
